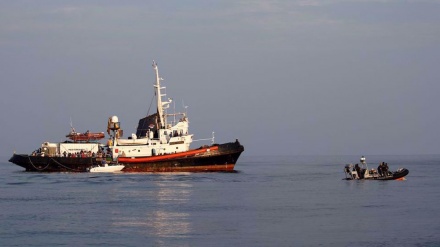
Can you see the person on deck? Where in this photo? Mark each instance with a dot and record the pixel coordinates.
(358, 170)
(379, 169)
(385, 169)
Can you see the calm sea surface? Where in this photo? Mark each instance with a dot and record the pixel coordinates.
(269, 201)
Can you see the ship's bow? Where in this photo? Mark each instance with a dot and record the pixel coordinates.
(19, 160)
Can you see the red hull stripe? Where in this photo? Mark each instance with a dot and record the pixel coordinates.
(165, 156)
(206, 168)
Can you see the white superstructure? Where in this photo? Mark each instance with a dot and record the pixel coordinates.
(65, 148)
(159, 137)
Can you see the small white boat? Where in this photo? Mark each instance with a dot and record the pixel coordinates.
(107, 168)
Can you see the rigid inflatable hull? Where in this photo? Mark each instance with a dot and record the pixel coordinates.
(400, 174)
(396, 175)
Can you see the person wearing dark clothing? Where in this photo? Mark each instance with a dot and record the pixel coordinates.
(358, 170)
(379, 169)
(385, 169)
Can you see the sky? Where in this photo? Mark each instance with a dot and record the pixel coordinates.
(294, 77)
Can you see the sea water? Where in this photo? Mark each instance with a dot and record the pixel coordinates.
(268, 201)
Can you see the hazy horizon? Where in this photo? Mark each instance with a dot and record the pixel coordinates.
(304, 77)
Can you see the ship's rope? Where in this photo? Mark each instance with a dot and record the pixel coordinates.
(38, 169)
(68, 168)
(151, 103)
(48, 163)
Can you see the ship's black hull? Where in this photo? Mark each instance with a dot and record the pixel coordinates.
(222, 160)
(52, 164)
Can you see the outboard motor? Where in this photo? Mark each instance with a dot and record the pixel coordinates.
(350, 172)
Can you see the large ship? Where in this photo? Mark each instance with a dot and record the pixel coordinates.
(161, 144)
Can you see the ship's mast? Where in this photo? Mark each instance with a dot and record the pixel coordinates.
(160, 104)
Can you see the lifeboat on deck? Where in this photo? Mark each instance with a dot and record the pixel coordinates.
(85, 137)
